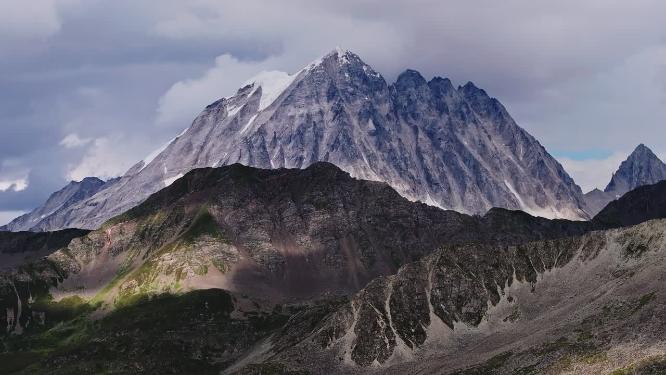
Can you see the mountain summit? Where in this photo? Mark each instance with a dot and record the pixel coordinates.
(454, 148)
(642, 167)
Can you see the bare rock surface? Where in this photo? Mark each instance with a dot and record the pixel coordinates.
(590, 304)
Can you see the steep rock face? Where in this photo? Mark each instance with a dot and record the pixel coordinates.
(587, 304)
(642, 167)
(456, 148)
(60, 201)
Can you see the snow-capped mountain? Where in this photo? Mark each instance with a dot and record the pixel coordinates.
(455, 148)
(642, 167)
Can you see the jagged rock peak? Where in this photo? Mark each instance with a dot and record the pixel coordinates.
(339, 56)
(641, 153)
(471, 89)
(441, 85)
(451, 148)
(410, 76)
(642, 167)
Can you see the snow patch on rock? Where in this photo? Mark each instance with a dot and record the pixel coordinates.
(272, 83)
(148, 159)
(170, 180)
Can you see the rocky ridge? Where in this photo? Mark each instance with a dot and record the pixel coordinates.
(61, 201)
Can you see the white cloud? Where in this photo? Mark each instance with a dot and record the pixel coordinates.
(105, 158)
(593, 173)
(13, 185)
(187, 98)
(13, 176)
(73, 141)
(18, 19)
(612, 109)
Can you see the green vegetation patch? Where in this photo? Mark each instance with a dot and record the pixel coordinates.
(189, 333)
(650, 366)
(203, 224)
(65, 309)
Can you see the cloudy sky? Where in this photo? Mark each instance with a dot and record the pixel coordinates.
(89, 87)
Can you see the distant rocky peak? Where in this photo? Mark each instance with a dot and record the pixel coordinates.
(642, 167)
(346, 63)
(342, 56)
(441, 86)
(471, 92)
(642, 153)
(481, 102)
(410, 77)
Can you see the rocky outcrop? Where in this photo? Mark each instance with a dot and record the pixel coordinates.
(586, 304)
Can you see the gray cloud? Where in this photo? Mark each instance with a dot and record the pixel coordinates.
(125, 76)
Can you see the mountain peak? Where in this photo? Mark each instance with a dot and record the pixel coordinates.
(470, 89)
(70, 194)
(411, 77)
(642, 151)
(339, 51)
(642, 167)
(343, 56)
(339, 58)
